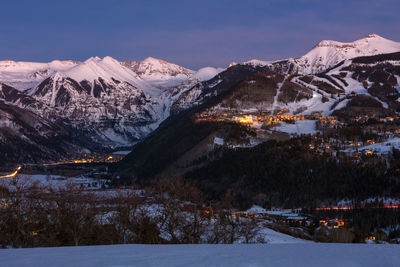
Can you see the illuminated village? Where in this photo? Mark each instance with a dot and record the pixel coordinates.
(82, 158)
(265, 118)
(325, 139)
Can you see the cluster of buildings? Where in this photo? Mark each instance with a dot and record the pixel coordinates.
(329, 121)
(266, 118)
(365, 118)
(291, 217)
(251, 119)
(326, 124)
(332, 223)
(349, 147)
(89, 158)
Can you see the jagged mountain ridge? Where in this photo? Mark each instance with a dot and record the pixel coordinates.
(103, 99)
(328, 53)
(122, 102)
(89, 96)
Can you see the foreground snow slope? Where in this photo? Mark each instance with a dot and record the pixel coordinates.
(206, 255)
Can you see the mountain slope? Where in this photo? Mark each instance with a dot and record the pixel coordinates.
(116, 110)
(351, 89)
(220, 144)
(180, 134)
(328, 53)
(113, 103)
(100, 95)
(27, 137)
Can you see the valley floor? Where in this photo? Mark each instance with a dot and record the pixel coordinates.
(311, 254)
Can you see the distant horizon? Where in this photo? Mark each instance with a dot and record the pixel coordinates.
(188, 33)
(141, 59)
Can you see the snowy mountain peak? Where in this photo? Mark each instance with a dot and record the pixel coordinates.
(373, 35)
(6, 62)
(63, 62)
(92, 59)
(328, 53)
(153, 66)
(159, 73)
(370, 38)
(152, 59)
(232, 64)
(207, 73)
(373, 39)
(57, 76)
(329, 43)
(109, 59)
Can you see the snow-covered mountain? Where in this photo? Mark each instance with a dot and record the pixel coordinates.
(205, 74)
(328, 53)
(115, 103)
(159, 73)
(25, 75)
(164, 75)
(362, 85)
(119, 103)
(100, 95)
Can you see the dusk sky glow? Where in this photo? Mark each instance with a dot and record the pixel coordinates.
(193, 34)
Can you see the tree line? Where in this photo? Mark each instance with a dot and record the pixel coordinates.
(170, 212)
(288, 174)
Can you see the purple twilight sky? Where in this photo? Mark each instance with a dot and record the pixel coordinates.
(190, 33)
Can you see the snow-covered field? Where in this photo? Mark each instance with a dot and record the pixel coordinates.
(384, 147)
(299, 127)
(309, 255)
(54, 181)
(274, 237)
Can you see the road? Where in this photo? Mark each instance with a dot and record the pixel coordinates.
(13, 174)
(360, 207)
